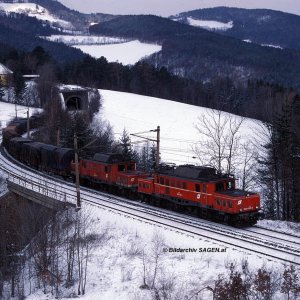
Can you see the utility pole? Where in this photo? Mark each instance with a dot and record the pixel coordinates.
(157, 130)
(157, 146)
(16, 110)
(78, 205)
(28, 125)
(57, 136)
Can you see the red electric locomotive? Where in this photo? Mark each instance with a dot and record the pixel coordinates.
(203, 191)
(109, 170)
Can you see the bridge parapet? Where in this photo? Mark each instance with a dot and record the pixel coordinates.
(41, 190)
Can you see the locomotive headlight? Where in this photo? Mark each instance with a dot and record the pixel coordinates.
(239, 202)
(132, 179)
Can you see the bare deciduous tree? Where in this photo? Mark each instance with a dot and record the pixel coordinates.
(220, 137)
(158, 244)
(248, 162)
(265, 284)
(86, 241)
(290, 284)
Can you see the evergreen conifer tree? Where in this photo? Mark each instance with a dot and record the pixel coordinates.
(126, 147)
(280, 169)
(2, 92)
(19, 88)
(147, 158)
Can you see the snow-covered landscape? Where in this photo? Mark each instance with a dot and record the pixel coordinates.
(125, 51)
(137, 113)
(116, 268)
(131, 52)
(133, 250)
(109, 239)
(177, 121)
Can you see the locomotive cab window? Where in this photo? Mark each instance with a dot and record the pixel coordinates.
(162, 181)
(219, 186)
(230, 185)
(167, 182)
(197, 187)
(121, 168)
(184, 185)
(130, 167)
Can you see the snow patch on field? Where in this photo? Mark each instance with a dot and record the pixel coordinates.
(272, 46)
(210, 25)
(126, 53)
(177, 122)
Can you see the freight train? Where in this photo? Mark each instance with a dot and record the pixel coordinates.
(196, 189)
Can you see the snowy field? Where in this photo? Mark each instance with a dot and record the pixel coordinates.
(177, 122)
(113, 49)
(126, 53)
(210, 25)
(116, 267)
(8, 111)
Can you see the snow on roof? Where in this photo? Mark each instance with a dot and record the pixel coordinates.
(69, 87)
(4, 70)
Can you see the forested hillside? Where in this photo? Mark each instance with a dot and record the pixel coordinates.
(260, 26)
(202, 55)
(27, 25)
(255, 99)
(21, 32)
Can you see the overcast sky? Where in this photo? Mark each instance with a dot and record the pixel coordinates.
(171, 7)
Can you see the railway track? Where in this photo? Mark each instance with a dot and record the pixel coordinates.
(264, 243)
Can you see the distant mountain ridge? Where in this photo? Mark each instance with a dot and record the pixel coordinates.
(202, 55)
(21, 32)
(187, 51)
(22, 22)
(79, 21)
(260, 26)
